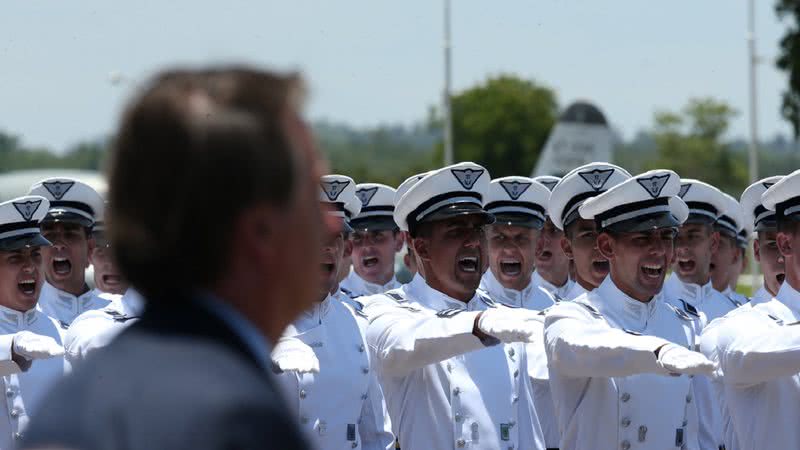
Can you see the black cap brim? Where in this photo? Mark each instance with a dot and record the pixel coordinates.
(376, 223)
(67, 217)
(459, 209)
(645, 223)
(700, 218)
(519, 220)
(767, 225)
(23, 241)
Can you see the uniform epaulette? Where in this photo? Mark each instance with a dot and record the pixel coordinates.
(450, 312)
(684, 315)
(635, 333)
(395, 296)
(592, 310)
(358, 308)
(735, 302)
(64, 325)
(776, 319)
(557, 298)
(689, 308)
(486, 299)
(118, 316)
(348, 292)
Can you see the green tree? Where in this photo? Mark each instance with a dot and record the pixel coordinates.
(691, 143)
(501, 124)
(789, 61)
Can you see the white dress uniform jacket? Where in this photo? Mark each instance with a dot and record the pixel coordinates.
(762, 295)
(735, 297)
(341, 407)
(98, 327)
(445, 388)
(610, 391)
(575, 291)
(709, 304)
(557, 291)
(24, 390)
(355, 286)
(759, 352)
(533, 297)
(65, 307)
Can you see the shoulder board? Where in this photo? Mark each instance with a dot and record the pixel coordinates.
(777, 320)
(348, 292)
(409, 308)
(735, 302)
(64, 325)
(450, 312)
(489, 302)
(118, 316)
(683, 315)
(689, 308)
(544, 311)
(395, 296)
(358, 308)
(557, 297)
(635, 333)
(592, 310)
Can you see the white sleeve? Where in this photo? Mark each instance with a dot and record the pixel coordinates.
(402, 340)
(580, 346)
(375, 426)
(85, 336)
(752, 352)
(7, 365)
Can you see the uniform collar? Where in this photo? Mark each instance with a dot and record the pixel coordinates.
(628, 312)
(790, 298)
(317, 313)
(497, 291)
(576, 291)
(439, 301)
(16, 318)
(762, 295)
(690, 292)
(132, 302)
(48, 290)
(561, 291)
(360, 286)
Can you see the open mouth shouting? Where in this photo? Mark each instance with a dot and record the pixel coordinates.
(468, 264)
(652, 271)
(62, 266)
(369, 261)
(686, 265)
(27, 286)
(112, 279)
(511, 267)
(600, 266)
(780, 277)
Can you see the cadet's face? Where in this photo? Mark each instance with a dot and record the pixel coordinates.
(771, 260)
(456, 254)
(107, 277)
(639, 261)
(21, 278)
(373, 254)
(65, 262)
(512, 250)
(591, 267)
(694, 246)
(551, 261)
(331, 257)
(722, 261)
(789, 246)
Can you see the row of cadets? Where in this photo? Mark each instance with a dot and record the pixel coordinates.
(758, 346)
(30, 341)
(68, 226)
(321, 361)
(451, 361)
(610, 350)
(375, 240)
(553, 271)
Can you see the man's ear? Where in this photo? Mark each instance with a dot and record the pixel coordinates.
(421, 248)
(785, 242)
(757, 249)
(91, 243)
(566, 246)
(348, 248)
(714, 241)
(605, 245)
(399, 240)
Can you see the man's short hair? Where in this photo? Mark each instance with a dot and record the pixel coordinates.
(194, 150)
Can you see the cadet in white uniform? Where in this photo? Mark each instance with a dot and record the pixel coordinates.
(449, 379)
(68, 225)
(765, 247)
(30, 342)
(375, 240)
(726, 262)
(341, 406)
(107, 277)
(552, 265)
(758, 348)
(519, 205)
(611, 350)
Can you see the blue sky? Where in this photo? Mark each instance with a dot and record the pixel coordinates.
(371, 62)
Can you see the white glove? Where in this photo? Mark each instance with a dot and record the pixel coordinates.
(293, 355)
(680, 360)
(35, 346)
(512, 324)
